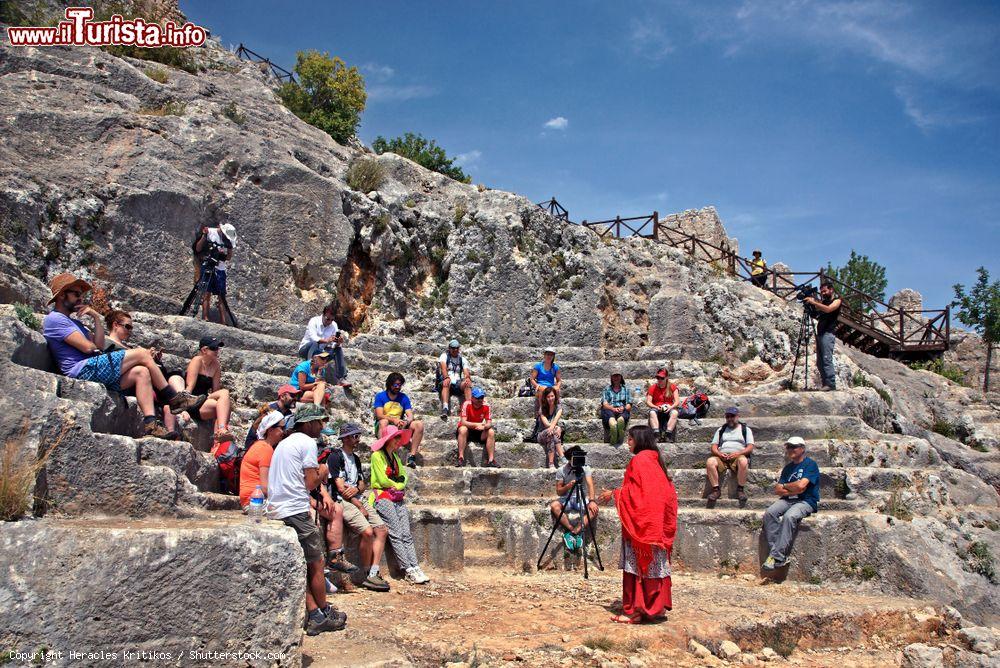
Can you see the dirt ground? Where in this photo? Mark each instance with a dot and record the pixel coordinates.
(489, 618)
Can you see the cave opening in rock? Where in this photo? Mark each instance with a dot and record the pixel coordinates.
(355, 288)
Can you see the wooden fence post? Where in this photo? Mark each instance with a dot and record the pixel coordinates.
(656, 225)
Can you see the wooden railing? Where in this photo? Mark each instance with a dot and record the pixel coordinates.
(278, 72)
(894, 330)
(555, 209)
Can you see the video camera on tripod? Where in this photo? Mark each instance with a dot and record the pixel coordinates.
(803, 292)
(577, 462)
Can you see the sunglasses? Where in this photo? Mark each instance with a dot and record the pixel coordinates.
(396, 385)
(128, 326)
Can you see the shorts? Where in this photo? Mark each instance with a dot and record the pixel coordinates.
(106, 369)
(663, 416)
(217, 283)
(356, 520)
(308, 533)
(731, 465)
(475, 436)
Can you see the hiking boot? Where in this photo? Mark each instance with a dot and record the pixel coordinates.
(411, 461)
(340, 563)
(156, 429)
(328, 624)
(333, 613)
(445, 413)
(186, 402)
(714, 495)
(741, 496)
(672, 435)
(375, 583)
(769, 564)
(346, 585)
(492, 464)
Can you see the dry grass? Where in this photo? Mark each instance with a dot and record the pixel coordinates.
(18, 471)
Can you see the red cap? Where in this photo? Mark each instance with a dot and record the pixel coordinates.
(289, 389)
(661, 373)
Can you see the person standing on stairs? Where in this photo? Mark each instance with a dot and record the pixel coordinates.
(393, 408)
(453, 377)
(77, 354)
(475, 425)
(219, 241)
(323, 335)
(293, 473)
(663, 399)
(388, 485)
(616, 407)
(731, 446)
(359, 515)
(798, 492)
(647, 506)
(828, 306)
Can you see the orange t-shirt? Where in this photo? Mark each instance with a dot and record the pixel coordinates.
(258, 455)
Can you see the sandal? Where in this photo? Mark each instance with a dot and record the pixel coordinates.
(223, 435)
(625, 619)
(461, 462)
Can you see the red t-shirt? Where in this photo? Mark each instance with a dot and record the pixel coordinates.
(258, 455)
(662, 395)
(475, 415)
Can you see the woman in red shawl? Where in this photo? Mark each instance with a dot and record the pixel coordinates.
(647, 506)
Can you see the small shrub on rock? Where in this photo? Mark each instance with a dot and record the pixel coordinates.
(27, 316)
(941, 368)
(233, 113)
(365, 175)
(157, 74)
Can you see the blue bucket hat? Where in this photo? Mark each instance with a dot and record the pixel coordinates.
(478, 393)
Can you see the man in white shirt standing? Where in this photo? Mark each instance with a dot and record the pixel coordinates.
(323, 335)
(732, 446)
(217, 242)
(294, 472)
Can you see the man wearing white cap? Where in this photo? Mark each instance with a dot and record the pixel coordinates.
(798, 489)
(219, 242)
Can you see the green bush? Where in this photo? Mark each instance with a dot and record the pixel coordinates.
(945, 428)
(27, 315)
(941, 368)
(425, 152)
(365, 175)
(233, 113)
(981, 561)
(157, 74)
(328, 95)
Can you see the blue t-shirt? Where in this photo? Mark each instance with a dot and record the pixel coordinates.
(546, 378)
(305, 368)
(809, 470)
(394, 408)
(55, 328)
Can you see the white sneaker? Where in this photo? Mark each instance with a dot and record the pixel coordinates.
(412, 576)
(330, 587)
(423, 576)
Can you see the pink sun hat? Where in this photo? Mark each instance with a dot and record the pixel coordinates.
(390, 431)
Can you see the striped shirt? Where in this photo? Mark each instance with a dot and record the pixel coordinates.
(615, 399)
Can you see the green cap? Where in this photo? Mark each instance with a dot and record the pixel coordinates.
(309, 412)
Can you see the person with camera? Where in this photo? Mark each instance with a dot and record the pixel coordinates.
(475, 425)
(77, 353)
(393, 408)
(827, 309)
(731, 446)
(323, 335)
(663, 398)
(566, 475)
(647, 507)
(213, 248)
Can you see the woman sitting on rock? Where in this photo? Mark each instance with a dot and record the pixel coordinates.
(306, 377)
(204, 374)
(388, 485)
(647, 507)
(547, 429)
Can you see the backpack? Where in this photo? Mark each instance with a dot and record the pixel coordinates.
(526, 390)
(720, 431)
(694, 407)
(227, 454)
(439, 379)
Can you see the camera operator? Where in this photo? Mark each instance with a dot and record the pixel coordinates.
(215, 245)
(565, 477)
(827, 309)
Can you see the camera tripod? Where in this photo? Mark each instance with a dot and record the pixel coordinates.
(806, 333)
(196, 297)
(576, 495)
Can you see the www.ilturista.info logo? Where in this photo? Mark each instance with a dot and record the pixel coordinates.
(79, 30)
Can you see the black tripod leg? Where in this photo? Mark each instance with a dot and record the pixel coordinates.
(552, 533)
(228, 311)
(584, 522)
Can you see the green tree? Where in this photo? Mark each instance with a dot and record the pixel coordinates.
(980, 309)
(424, 152)
(329, 94)
(864, 274)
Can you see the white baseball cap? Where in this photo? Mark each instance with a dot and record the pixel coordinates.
(795, 441)
(271, 419)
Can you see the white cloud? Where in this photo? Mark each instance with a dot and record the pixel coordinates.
(557, 123)
(649, 40)
(377, 71)
(935, 114)
(469, 158)
(387, 93)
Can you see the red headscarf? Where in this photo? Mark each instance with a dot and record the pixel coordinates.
(647, 506)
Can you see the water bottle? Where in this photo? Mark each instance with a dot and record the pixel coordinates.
(255, 513)
(637, 396)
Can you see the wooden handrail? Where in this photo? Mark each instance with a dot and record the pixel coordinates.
(280, 73)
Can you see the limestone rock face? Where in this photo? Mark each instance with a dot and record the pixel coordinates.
(231, 589)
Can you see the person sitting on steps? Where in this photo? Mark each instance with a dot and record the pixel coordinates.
(305, 377)
(323, 335)
(548, 431)
(293, 473)
(616, 407)
(758, 270)
(288, 395)
(454, 377)
(662, 398)
(325, 501)
(393, 407)
(388, 484)
(359, 515)
(798, 492)
(732, 446)
(476, 426)
(546, 374)
(565, 477)
(77, 354)
(257, 460)
(204, 376)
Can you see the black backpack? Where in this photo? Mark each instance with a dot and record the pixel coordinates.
(721, 430)
(439, 379)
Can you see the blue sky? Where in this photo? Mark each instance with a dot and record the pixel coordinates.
(814, 128)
